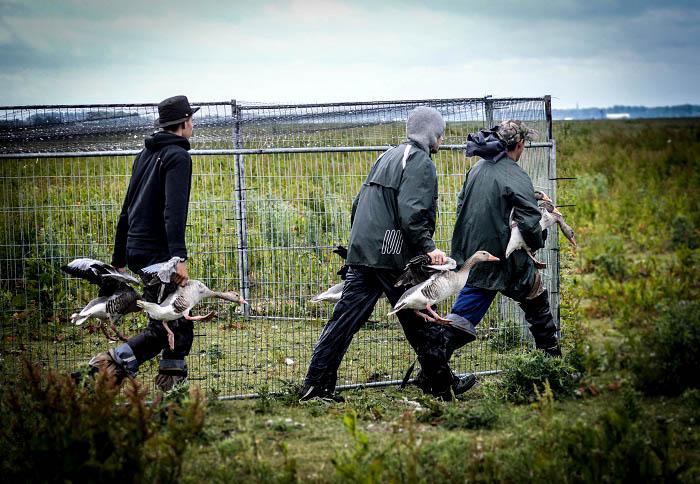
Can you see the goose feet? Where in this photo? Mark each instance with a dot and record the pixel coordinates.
(424, 316)
(539, 264)
(117, 336)
(171, 335)
(206, 317)
(433, 317)
(438, 319)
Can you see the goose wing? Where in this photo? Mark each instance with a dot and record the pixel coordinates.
(123, 301)
(99, 273)
(181, 303)
(161, 271)
(84, 268)
(343, 253)
(420, 268)
(116, 276)
(438, 287)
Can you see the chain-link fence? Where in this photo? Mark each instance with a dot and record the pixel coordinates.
(271, 195)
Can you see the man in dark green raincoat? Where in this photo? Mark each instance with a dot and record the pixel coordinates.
(495, 186)
(393, 220)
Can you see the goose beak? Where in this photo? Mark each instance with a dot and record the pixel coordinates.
(242, 301)
(493, 258)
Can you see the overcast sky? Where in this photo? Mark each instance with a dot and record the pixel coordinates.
(587, 52)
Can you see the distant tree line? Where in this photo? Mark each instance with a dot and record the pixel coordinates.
(679, 111)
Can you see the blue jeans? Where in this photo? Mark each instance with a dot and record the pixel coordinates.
(473, 302)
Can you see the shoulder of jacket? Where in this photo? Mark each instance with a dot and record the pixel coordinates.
(175, 153)
(417, 159)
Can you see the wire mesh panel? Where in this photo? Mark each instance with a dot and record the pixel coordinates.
(271, 196)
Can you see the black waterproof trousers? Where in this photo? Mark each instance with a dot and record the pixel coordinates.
(363, 287)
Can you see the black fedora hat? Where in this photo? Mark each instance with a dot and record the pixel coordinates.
(174, 110)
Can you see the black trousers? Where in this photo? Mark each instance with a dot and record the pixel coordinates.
(363, 287)
(154, 339)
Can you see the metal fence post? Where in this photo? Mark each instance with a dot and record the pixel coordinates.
(241, 208)
(555, 297)
(548, 116)
(488, 111)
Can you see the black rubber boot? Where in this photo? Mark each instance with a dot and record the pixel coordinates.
(553, 351)
(117, 363)
(171, 373)
(459, 385)
(463, 384)
(309, 392)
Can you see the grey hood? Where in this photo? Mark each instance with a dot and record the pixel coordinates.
(424, 126)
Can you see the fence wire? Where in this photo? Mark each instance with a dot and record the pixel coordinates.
(263, 221)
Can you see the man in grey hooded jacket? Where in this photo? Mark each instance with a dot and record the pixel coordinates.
(393, 220)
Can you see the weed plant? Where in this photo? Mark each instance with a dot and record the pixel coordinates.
(55, 430)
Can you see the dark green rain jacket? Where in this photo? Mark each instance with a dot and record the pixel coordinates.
(393, 216)
(492, 188)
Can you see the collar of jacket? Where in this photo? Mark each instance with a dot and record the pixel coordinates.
(419, 146)
(502, 155)
(161, 139)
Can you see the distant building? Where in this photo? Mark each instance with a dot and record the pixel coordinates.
(617, 115)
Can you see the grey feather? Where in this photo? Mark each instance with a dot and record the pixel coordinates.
(162, 270)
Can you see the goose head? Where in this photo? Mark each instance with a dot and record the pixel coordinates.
(231, 296)
(202, 291)
(480, 256)
(542, 196)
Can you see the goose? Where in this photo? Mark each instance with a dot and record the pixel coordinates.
(439, 287)
(179, 303)
(115, 299)
(333, 293)
(550, 216)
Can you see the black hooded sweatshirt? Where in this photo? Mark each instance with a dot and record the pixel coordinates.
(154, 213)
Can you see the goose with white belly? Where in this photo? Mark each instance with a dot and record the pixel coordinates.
(439, 287)
(179, 303)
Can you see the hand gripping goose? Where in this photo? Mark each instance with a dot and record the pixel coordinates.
(116, 298)
(550, 216)
(439, 286)
(179, 303)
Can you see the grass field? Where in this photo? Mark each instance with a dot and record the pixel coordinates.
(622, 406)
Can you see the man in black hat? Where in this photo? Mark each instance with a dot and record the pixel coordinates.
(151, 229)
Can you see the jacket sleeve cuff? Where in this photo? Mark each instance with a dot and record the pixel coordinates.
(181, 253)
(428, 246)
(118, 261)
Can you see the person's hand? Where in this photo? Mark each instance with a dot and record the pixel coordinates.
(437, 257)
(180, 277)
(121, 270)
